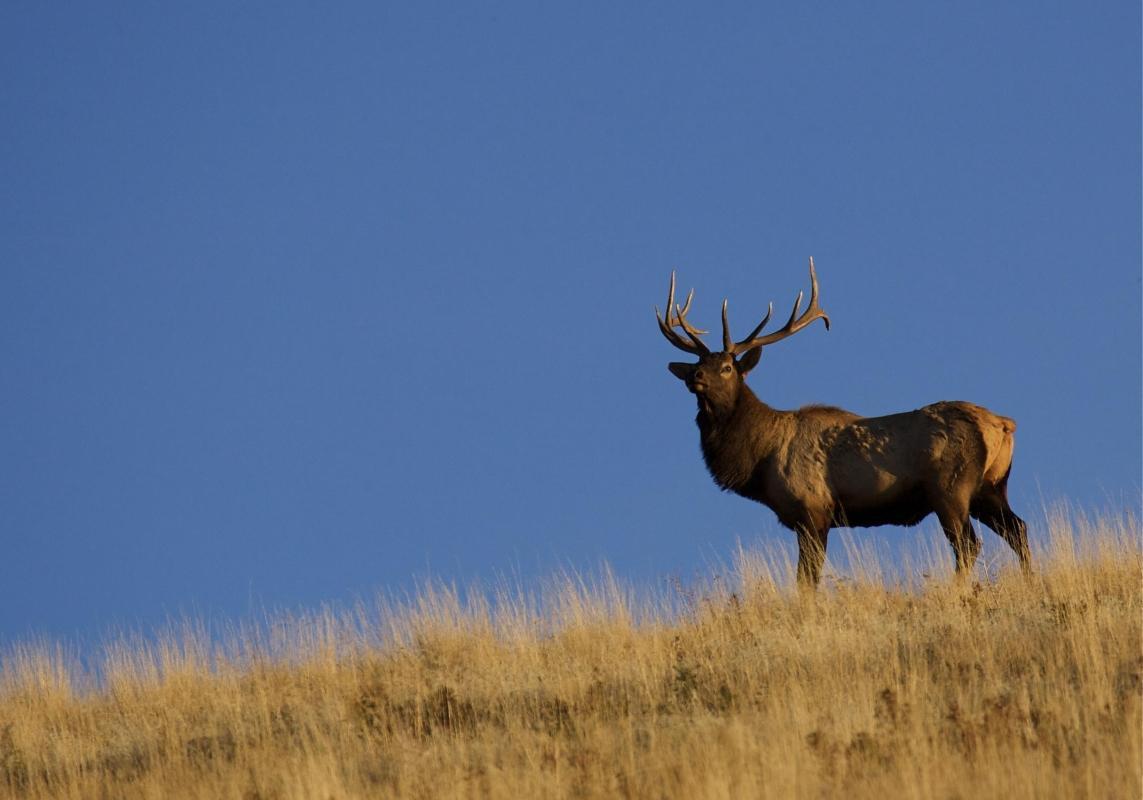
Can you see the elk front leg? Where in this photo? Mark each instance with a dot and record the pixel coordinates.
(811, 554)
(966, 546)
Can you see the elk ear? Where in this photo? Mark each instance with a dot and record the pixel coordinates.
(681, 370)
(749, 360)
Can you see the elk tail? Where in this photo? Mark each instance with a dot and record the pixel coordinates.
(1000, 446)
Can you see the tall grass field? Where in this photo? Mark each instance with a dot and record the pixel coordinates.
(919, 686)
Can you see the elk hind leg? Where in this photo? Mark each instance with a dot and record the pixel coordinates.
(993, 510)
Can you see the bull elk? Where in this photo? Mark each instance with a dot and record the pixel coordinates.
(821, 467)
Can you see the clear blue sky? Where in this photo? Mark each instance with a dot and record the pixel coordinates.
(298, 302)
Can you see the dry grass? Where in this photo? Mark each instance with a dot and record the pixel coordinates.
(1003, 688)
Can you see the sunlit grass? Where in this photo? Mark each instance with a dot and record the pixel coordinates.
(894, 682)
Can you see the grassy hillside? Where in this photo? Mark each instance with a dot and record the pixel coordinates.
(1000, 688)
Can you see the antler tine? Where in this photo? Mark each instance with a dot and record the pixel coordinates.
(762, 324)
(681, 317)
(691, 331)
(727, 342)
(814, 299)
(695, 346)
(681, 320)
(674, 338)
(686, 304)
(794, 313)
(794, 324)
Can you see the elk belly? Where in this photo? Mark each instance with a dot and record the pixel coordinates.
(897, 505)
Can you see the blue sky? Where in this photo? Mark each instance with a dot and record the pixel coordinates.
(298, 303)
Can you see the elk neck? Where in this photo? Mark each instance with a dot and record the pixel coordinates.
(737, 440)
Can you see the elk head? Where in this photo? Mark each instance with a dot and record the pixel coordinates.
(717, 378)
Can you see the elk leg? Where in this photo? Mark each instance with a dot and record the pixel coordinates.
(1015, 532)
(958, 530)
(811, 555)
(993, 510)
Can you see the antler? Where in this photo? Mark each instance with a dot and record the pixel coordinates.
(792, 326)
(679, 319)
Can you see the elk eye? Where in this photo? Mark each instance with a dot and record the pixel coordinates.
(726, 369)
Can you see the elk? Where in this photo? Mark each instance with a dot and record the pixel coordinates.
(821, 467)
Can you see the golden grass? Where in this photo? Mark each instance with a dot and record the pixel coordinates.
(1001, 688)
